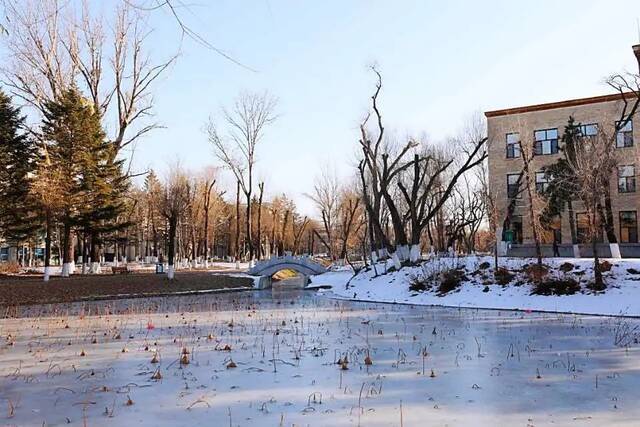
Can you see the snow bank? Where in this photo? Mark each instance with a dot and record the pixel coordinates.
(622, 296)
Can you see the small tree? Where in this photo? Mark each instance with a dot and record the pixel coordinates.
(174, 202)
(591, 166)
(236, 149)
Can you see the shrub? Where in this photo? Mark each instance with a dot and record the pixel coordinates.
(503, 276)
(418, 284)
(536, 272)
(605, 266)
(566, 267)
(597, 288)
(485, 289)
(484, 265)
(450, 280)
(556, 286)
(9, 268)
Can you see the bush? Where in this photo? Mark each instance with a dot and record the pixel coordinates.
(536, 272)
(450, 280)
(605, 266)
(565, 286)
(503, 276)
(484, 265)
(566, 267)
(597, 288)
(418, 284)
(9, 268)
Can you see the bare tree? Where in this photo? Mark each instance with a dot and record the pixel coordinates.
(52, 45)
(425, 181)
(326, 193)
(174, 202)
(533, 199)
(236, 149)
(593, 161)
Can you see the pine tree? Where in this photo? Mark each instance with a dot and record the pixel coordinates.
(18, 221)
(560, 192)
(92, 182)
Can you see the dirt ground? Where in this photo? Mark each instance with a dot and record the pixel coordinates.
(19, 290)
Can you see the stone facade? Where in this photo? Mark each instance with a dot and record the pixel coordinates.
(523, 123)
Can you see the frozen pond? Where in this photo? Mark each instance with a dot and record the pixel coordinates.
(269, 358)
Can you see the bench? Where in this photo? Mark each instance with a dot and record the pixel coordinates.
(120, 270)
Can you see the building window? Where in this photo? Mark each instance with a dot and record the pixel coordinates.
(546, 141)
(552, 231)
(626, 179)
(582, 229)
(513, 145)
(542, 182)
(589, 130)
(624, 137)
(513, 186)
(513, 231)
(628, 227)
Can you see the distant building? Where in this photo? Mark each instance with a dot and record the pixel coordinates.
(542, 126)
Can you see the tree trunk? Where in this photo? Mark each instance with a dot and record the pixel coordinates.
(67, 249)
(259, 230)
(237, 242)
(173, 224)
(47, 246)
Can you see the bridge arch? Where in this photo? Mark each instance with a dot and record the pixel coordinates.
(302, 265)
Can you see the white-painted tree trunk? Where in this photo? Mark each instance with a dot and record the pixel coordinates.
(576, 251)
(374, 256)
(66, 269)
(237, 264)
(170, 272)
(414, 254)
(396, 261)
(403, 252)
(47, 273)
(615, 250)
(95, 268)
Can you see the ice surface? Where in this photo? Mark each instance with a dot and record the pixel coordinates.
(490, 368)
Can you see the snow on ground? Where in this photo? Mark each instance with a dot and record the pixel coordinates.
(622, 295)
(92, 364)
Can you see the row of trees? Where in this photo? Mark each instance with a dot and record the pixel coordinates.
(417, 194)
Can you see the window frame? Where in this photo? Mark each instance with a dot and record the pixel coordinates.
(518, 194)
(541, 186)
(635, 229)
(583, 128)
(512, 148)
(624, 134)
(538, 144)
(629, 180)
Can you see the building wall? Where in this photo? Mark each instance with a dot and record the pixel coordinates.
(526, 122)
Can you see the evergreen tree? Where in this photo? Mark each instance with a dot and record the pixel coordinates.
(560, 193)
(92, 182)
(18, 221)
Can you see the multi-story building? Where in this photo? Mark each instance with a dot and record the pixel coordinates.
(539, 128)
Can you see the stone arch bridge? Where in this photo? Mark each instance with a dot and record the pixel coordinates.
(301, 264)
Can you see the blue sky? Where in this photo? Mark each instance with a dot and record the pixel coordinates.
(441, 61)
